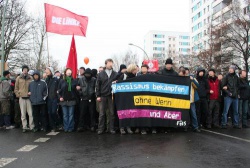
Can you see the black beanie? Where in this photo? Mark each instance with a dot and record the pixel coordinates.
(169, 61)
(25, 66)
(5, 73)
(212, 70)
(88, 71)
(122, 66)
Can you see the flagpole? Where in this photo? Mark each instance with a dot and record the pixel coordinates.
(48, 47)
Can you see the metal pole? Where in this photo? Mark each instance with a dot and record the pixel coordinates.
(48, 49)
(3, 43)
(140, 48)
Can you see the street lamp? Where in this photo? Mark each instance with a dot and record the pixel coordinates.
(140, 48)
(3, 43)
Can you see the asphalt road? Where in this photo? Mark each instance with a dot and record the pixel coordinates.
(229, 148)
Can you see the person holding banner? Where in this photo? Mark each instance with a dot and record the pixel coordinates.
(168, 70)
(104, 95)
(144, 69)
(67, 96)
(194, 97)
(131, 73)
(203, 92)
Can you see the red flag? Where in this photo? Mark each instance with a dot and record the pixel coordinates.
(62, 21)
(72, 59)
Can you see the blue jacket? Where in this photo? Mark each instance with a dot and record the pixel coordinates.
(39, 91)
(194, 96)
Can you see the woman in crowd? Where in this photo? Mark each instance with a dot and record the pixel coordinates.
(67, 96)
(131, 73)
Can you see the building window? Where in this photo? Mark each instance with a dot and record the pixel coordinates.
(158, 42)
(199, 14)
(204, 11)
(169, 39)
(158, 36)
(169, 45)
(158, 48)
(208, 8)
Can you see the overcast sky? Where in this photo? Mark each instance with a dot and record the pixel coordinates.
(113, 24)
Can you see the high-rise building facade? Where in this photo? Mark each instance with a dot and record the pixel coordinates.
(164, 44)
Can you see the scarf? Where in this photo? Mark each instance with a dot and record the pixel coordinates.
(68, 79)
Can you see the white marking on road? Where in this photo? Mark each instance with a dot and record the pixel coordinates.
(27, 148)
(53, 133)
(42, 140)
(5, 161)
(225, 135)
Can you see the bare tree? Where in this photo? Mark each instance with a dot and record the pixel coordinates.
(16, 28)
(235, 33)
(128, 57)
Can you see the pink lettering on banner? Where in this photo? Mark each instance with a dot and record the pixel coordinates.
(149, 113)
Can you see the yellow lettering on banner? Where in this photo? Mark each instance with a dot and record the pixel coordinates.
(147, 100)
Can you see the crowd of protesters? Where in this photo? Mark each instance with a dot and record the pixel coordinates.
(54, 101)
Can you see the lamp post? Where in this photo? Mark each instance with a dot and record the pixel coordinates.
(139, 48)
(2, 39)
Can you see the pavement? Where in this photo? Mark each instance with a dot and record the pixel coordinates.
(215, 148)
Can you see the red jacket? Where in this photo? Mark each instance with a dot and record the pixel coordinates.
(214, 86)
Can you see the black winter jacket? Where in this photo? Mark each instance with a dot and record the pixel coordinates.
(52, 83)
(87, 91)
(203, 89)
(103, 83)
(170, 72)
(63, 90)
(244, 89)
(232, 83)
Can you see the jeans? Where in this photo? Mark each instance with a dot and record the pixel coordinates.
(68, 117)
(227, 103)
(39, 116)
(243, 109)
(193, 116)
(5, 120)
(52, 111)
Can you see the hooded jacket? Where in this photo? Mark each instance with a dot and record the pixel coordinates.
(22, 85)
(39, 90)
(203, 89)
(5, 89)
